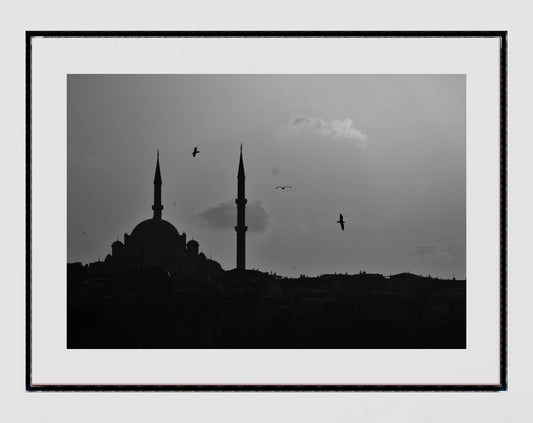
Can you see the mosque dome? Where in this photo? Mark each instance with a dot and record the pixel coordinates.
(157, 231)
(117, 243)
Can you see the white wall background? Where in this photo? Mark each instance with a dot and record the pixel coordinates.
(514, 16)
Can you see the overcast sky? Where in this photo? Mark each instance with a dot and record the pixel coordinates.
(386, 151)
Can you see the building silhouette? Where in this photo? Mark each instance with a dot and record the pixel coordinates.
(156, 242)
(241, 226)
(156, 290)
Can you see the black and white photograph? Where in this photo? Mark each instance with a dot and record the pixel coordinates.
(280, 211)
(266, 211)
(311, 211)
(314, 211)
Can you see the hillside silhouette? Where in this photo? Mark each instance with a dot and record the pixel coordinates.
(118, 308)
(156, 290)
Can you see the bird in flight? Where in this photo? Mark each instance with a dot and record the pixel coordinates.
(195, 151)
(341, 221)
(283, 186)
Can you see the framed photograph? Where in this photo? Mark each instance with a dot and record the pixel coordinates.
(266, 211)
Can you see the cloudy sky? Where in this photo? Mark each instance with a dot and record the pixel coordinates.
(386, 151)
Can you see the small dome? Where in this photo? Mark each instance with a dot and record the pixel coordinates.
(155, 230)
(192, 242)
(116, 244)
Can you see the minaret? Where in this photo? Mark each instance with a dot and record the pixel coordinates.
(157, 207)
(241, 227)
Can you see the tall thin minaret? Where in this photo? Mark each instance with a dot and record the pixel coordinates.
(241, 227)
(157, 207)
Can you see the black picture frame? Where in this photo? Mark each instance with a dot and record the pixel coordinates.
(501, 35)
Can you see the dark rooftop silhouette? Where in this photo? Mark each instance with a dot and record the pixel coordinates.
(156, 290)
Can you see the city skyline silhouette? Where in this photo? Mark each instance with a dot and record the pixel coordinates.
(199, 192)
(156, 290)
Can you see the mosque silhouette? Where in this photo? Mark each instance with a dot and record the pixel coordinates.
(156, 290)
(156, 243)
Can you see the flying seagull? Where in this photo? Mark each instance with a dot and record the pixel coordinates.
(283, 186)
(195, 151)
(341, 221)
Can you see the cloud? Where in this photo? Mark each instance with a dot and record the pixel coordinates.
(336, 128)
(224, 216)
(432, 250)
